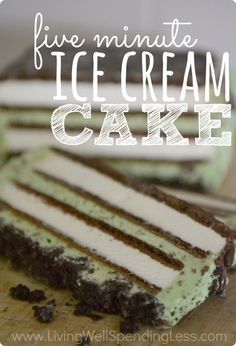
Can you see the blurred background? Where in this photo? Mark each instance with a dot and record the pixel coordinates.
(213, 21)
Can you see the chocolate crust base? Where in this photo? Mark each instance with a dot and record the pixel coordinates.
(47, 265)
(112, 297)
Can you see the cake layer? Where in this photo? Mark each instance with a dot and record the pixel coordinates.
(216, 204)
(132, 236)
(223, 208)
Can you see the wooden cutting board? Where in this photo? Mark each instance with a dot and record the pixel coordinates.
(215, 320)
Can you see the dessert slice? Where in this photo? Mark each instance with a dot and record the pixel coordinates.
(122, 247)
(27, 119)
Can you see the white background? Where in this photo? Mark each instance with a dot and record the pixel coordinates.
(214, 21)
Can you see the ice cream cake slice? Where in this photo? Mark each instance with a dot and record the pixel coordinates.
(27, 119)
(122, 247)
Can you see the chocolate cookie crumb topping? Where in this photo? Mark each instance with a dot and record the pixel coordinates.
(44, 314)
(36, 296)
(20, 292)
